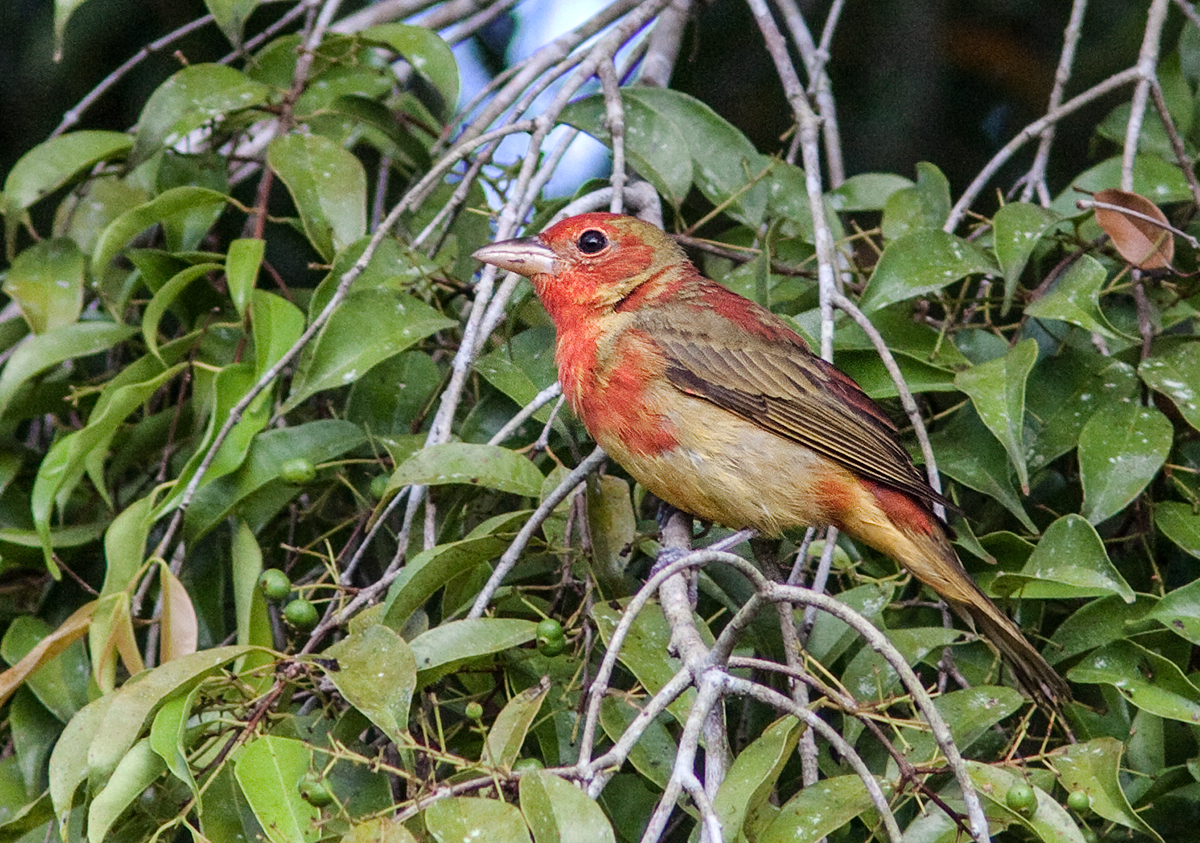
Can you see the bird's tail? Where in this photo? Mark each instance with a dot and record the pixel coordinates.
(931, 558)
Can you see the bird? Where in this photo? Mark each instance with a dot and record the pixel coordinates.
(719, 408)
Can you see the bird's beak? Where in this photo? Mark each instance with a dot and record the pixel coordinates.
(526, 256)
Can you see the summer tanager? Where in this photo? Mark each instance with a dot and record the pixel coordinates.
(715, 405)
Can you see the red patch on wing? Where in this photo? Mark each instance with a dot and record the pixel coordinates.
(903, 510)
(747, 315)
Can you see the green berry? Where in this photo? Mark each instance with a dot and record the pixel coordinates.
(550, 638)
(474, 711)
(301, 614)
(379, 485)
(314, 790)
(275, 584)
(298, 471)
(1021, 798)
(1089, 834)
(1078, 801)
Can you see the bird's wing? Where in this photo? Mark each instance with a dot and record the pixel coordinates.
(771, 379)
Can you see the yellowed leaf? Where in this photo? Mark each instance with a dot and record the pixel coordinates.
(180, 631)
(70, 631)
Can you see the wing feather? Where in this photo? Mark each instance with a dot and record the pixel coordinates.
(774, 381)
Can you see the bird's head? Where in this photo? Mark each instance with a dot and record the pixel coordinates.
(592, 260)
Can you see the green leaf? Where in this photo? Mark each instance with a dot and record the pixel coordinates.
(1050, 822)
(997, 389)
(329, 187)
(1097, 623)
(277, 325)
(502, 747)
(176, 204)
(241, 269)
(1063, 394)
(490, 466)
(865, 192)
(817, 810)
(659, 122)
(654, 753)
(1180, 523)
(1017, 228)
(267, 769)
(1075, 299)
(922, 207)
(46, 282)
(38, 352)
(1147, 680)
(1095, 768)
(139, 767)
(316, 441)
(448, 647)
(970, 713)
(1121, 449)
(559, 812)
(134, 703)
(920, 263)
(646, 650)
(370, 326)
(1155, 178)
(230, 16)
(427, 53)
(168, 736)
(431, 569)
(165, 296)
(68, 762)
(1069, 562)
(612, 528)
(190, 98)
(377, 674)
(1176, 374)
(1179, 611)
(752, 777)
(460, 819)
(52, 163)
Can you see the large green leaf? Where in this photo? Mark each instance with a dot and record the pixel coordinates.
(1075, 299)
(559, 812)
(1147, 680)
(1176, 374)
(370, 326)
(818, 810)
(267, 769)
(448, 647)
(53, 163)
(922, 207)
(176, 204)
(1095, 768)
(920, 263)
(428, 54)
(1069, 561)
(38, 352)
(1018, 228)
(752, 777)
(1121, 449)
(502, 747)
(490, 466)
(997, 389)
(377, 674)
(1049, 821)
(329, 187)
(1180, 522)
(190, 98)
(46, 282)
(460, 819)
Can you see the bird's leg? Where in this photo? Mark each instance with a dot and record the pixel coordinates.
(766, 553)
(675, 527)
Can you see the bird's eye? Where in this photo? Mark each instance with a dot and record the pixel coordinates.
(592, 241)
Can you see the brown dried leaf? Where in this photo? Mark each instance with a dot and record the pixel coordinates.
(1138, 240)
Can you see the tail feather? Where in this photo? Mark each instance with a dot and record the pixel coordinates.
(1033, 672)
(928, 554)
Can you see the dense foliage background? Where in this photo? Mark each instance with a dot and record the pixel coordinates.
(296, 542)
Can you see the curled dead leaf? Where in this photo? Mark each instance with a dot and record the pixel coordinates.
(1138, 229)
